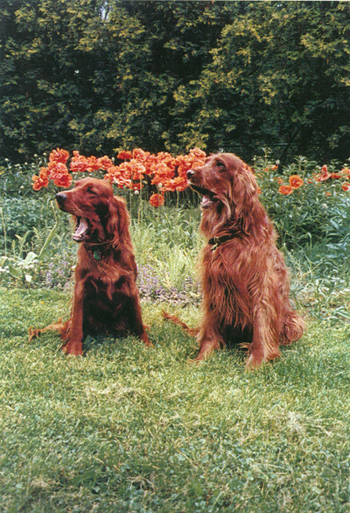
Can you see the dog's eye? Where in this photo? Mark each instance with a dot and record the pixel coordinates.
(220, 165)
(90, 190)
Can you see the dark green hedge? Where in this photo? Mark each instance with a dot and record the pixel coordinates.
(102, 75)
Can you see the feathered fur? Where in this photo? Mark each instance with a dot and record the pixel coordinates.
(244, 278)
(106, 298)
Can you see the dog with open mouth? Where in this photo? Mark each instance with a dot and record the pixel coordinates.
(106, 298)
(244, 278)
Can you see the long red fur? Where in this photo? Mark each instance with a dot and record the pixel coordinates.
(244, 278)
(106, 298)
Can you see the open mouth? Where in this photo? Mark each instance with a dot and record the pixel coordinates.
(208, 197)
(207, 201)
(82, 229)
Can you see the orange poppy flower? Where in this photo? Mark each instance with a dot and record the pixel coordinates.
(138, 170)
(58, 172)
(196, 152)
(104, 162)
(122, 182)
(42, 180)
(124, 155)
(92, 164)
(295, 181)
(59, 156)
(56, 168)
(78, 163)
(324, 175)
(346, 186)
(175, 184)
(286, 190)
(156, 200)
(124, 170)
(140, 155)
(63, 180)
(162, 173)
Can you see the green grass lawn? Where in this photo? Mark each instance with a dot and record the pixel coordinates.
(129, 429)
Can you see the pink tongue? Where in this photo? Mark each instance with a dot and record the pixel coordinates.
(81, 230)
(206, 201)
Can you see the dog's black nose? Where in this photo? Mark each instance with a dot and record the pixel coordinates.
(190, 173)
(61, 197)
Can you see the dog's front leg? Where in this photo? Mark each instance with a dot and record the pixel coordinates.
(74, 334)
(264, 345)
(209, 340)
(136, 319)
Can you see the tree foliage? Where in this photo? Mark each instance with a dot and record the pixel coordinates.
(104, 75)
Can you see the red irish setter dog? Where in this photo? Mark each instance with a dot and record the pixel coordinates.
(106, 298)
(244, 278)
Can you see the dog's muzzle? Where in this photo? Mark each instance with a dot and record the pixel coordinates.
(61, 198)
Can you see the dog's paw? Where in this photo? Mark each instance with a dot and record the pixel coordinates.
(75, 349)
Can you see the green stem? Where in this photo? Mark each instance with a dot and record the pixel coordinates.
(4, 230)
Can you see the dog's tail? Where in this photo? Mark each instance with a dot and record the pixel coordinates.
(58, 326)
(192, 332)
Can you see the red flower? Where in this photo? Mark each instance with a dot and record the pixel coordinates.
(122, 182)
(196, 152)
(162, 169)
(286, 190)
(140, 155)
(104, 163)
(58, 172)
(125, 170)
(295, 181)
(92, 164)
(59, 156)
(42, 180)
(175, 184)
(346, 186)
(156, 200)
(138, 170)
(124, 155)
(55, 169)
(78, 163)
(63, 180)
(162, 173)
(324, 175)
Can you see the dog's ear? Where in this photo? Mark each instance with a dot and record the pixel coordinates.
(246, 200)
(117, 226)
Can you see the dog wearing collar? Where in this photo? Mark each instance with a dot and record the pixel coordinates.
(244, 278)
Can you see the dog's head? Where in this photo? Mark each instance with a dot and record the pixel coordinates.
(228, 187)
(99, 216)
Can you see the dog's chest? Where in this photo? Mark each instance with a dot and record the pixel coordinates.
(105, 280)
(222, 267)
